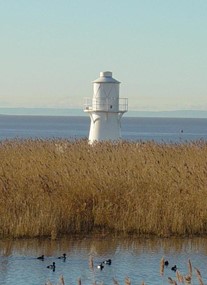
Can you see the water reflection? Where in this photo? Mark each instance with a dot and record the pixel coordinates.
(137, 258)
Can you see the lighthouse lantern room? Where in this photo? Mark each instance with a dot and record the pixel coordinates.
(105, 109)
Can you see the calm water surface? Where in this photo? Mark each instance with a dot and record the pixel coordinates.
(137, 258)
(157, 129)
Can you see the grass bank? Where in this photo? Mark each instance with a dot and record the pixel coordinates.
(56, 187)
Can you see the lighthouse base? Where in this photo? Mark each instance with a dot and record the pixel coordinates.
(104, 126)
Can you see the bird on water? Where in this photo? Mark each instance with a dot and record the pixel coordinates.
(41, 257)
(174, 268)
(100, 266)
(166, 263)
(107, 261)
(62, 256)
(52, 266)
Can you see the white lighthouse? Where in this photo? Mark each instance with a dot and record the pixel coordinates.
(105, 109)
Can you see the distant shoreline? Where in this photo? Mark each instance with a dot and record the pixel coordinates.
(80, 112)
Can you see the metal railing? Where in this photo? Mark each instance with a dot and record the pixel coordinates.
(106, 104)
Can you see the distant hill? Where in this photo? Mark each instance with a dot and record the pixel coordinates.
(170, 114)
(42, 112)
(79, 112)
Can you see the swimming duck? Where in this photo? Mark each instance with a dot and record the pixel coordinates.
(52, 266)
(174, 268)
(107, 261)
(100, 266)
(63, 256)
(166, 263)
(41, 257)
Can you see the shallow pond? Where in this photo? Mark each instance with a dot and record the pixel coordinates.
(138, 259)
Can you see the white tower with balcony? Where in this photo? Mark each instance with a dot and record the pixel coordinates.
(105, 109)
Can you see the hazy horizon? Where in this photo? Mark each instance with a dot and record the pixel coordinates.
(80, 112)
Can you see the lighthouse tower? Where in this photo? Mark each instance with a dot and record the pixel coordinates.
(105, 109)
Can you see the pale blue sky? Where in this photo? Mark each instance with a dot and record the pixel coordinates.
(51, 51)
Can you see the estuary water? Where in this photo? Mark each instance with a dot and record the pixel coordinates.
(77, 127)
(139, 259)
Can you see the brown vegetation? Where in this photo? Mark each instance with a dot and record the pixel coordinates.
(56, 187)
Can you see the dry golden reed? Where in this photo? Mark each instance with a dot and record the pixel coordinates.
(90, 263)
(127, 281)
(61, 280)
(115, 282)
(198, 275)
(162, 266)
(171, 281)
(79, 281)
(56, 187)
(179, 276)
(48, 283)
(190, 270)
(188, 279)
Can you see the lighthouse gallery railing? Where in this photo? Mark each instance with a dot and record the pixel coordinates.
(107, 105)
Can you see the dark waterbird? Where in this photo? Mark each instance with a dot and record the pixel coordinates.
(62, 256)
(174, 268)
(107, 261)
(41, 257)
(100, 266)
(52, 266)
(166, 263)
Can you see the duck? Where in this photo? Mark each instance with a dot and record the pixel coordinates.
(52, 266)
(107, 261)
(100, 266)
(41, 257)
(174, 268)
(166, 263)
(62, 256)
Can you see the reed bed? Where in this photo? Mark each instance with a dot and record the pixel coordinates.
(56, 187)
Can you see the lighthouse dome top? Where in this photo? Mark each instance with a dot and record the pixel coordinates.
(105, 77)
